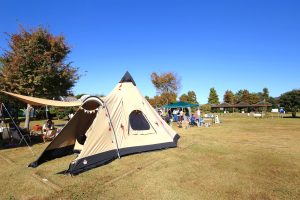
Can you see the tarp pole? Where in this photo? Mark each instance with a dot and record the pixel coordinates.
(17, 127)
(113, 130)
(27, 117)
(47, 112)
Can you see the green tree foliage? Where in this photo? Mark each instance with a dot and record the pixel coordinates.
(291, 101)
(242, 96)
(35, 64)
(184, 97)
(229, 97)
(265, 94)
(206, 108)
(190, 97)
(245, 96)
(213, 97)
(238, 96)
(253, 98)
(61, 113)
(274, 102)
(78, 96)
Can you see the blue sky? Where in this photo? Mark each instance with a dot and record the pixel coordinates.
(241, 44)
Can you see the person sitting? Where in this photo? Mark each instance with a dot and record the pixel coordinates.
(193, 121)
(201, 121)
(167, 119)
(49, 132)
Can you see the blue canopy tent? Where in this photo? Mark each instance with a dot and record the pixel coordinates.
(181, 104)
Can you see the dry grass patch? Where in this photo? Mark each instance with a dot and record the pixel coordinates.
(244, 158)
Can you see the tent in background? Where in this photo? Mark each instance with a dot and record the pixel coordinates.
(181, 104)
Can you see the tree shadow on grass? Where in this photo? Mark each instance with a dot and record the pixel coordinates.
(290, 117)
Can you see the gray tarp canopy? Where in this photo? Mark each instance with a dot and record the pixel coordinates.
(34, 101)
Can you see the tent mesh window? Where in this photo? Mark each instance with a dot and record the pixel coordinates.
(137, 121)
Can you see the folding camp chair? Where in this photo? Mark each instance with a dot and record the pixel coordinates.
(20, 135)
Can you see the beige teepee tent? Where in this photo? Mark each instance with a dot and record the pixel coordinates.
(104, 129)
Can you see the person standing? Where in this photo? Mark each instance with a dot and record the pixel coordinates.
(199, 116)
(181, 115)
(170, 113)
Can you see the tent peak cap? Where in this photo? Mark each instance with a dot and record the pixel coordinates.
(127, 78)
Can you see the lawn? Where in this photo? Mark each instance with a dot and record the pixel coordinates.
(243, 158)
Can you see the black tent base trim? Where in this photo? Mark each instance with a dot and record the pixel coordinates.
(91, 162)
(100, 159)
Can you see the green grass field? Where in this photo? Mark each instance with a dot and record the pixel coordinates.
(243, 158)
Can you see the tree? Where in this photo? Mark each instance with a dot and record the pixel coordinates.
(242, 96)
(265, 94)
(238, 96)
(35, 65)
(167, 85)
(245, 96)
(213, 97)
(253, 98)
(167, 97)
(166, 82)
(206, 108)
(184, 97)
(78, 96)
(291, 101)
(160, 100)
(155, 101)
(274, 102)
(190, 97)
(229, 97)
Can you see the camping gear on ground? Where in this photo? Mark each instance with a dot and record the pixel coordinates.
(37, 128)
(14, 131)
(105, 129)
(5, 133)
(16, 135)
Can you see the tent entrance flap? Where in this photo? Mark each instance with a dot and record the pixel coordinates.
(63, 144)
